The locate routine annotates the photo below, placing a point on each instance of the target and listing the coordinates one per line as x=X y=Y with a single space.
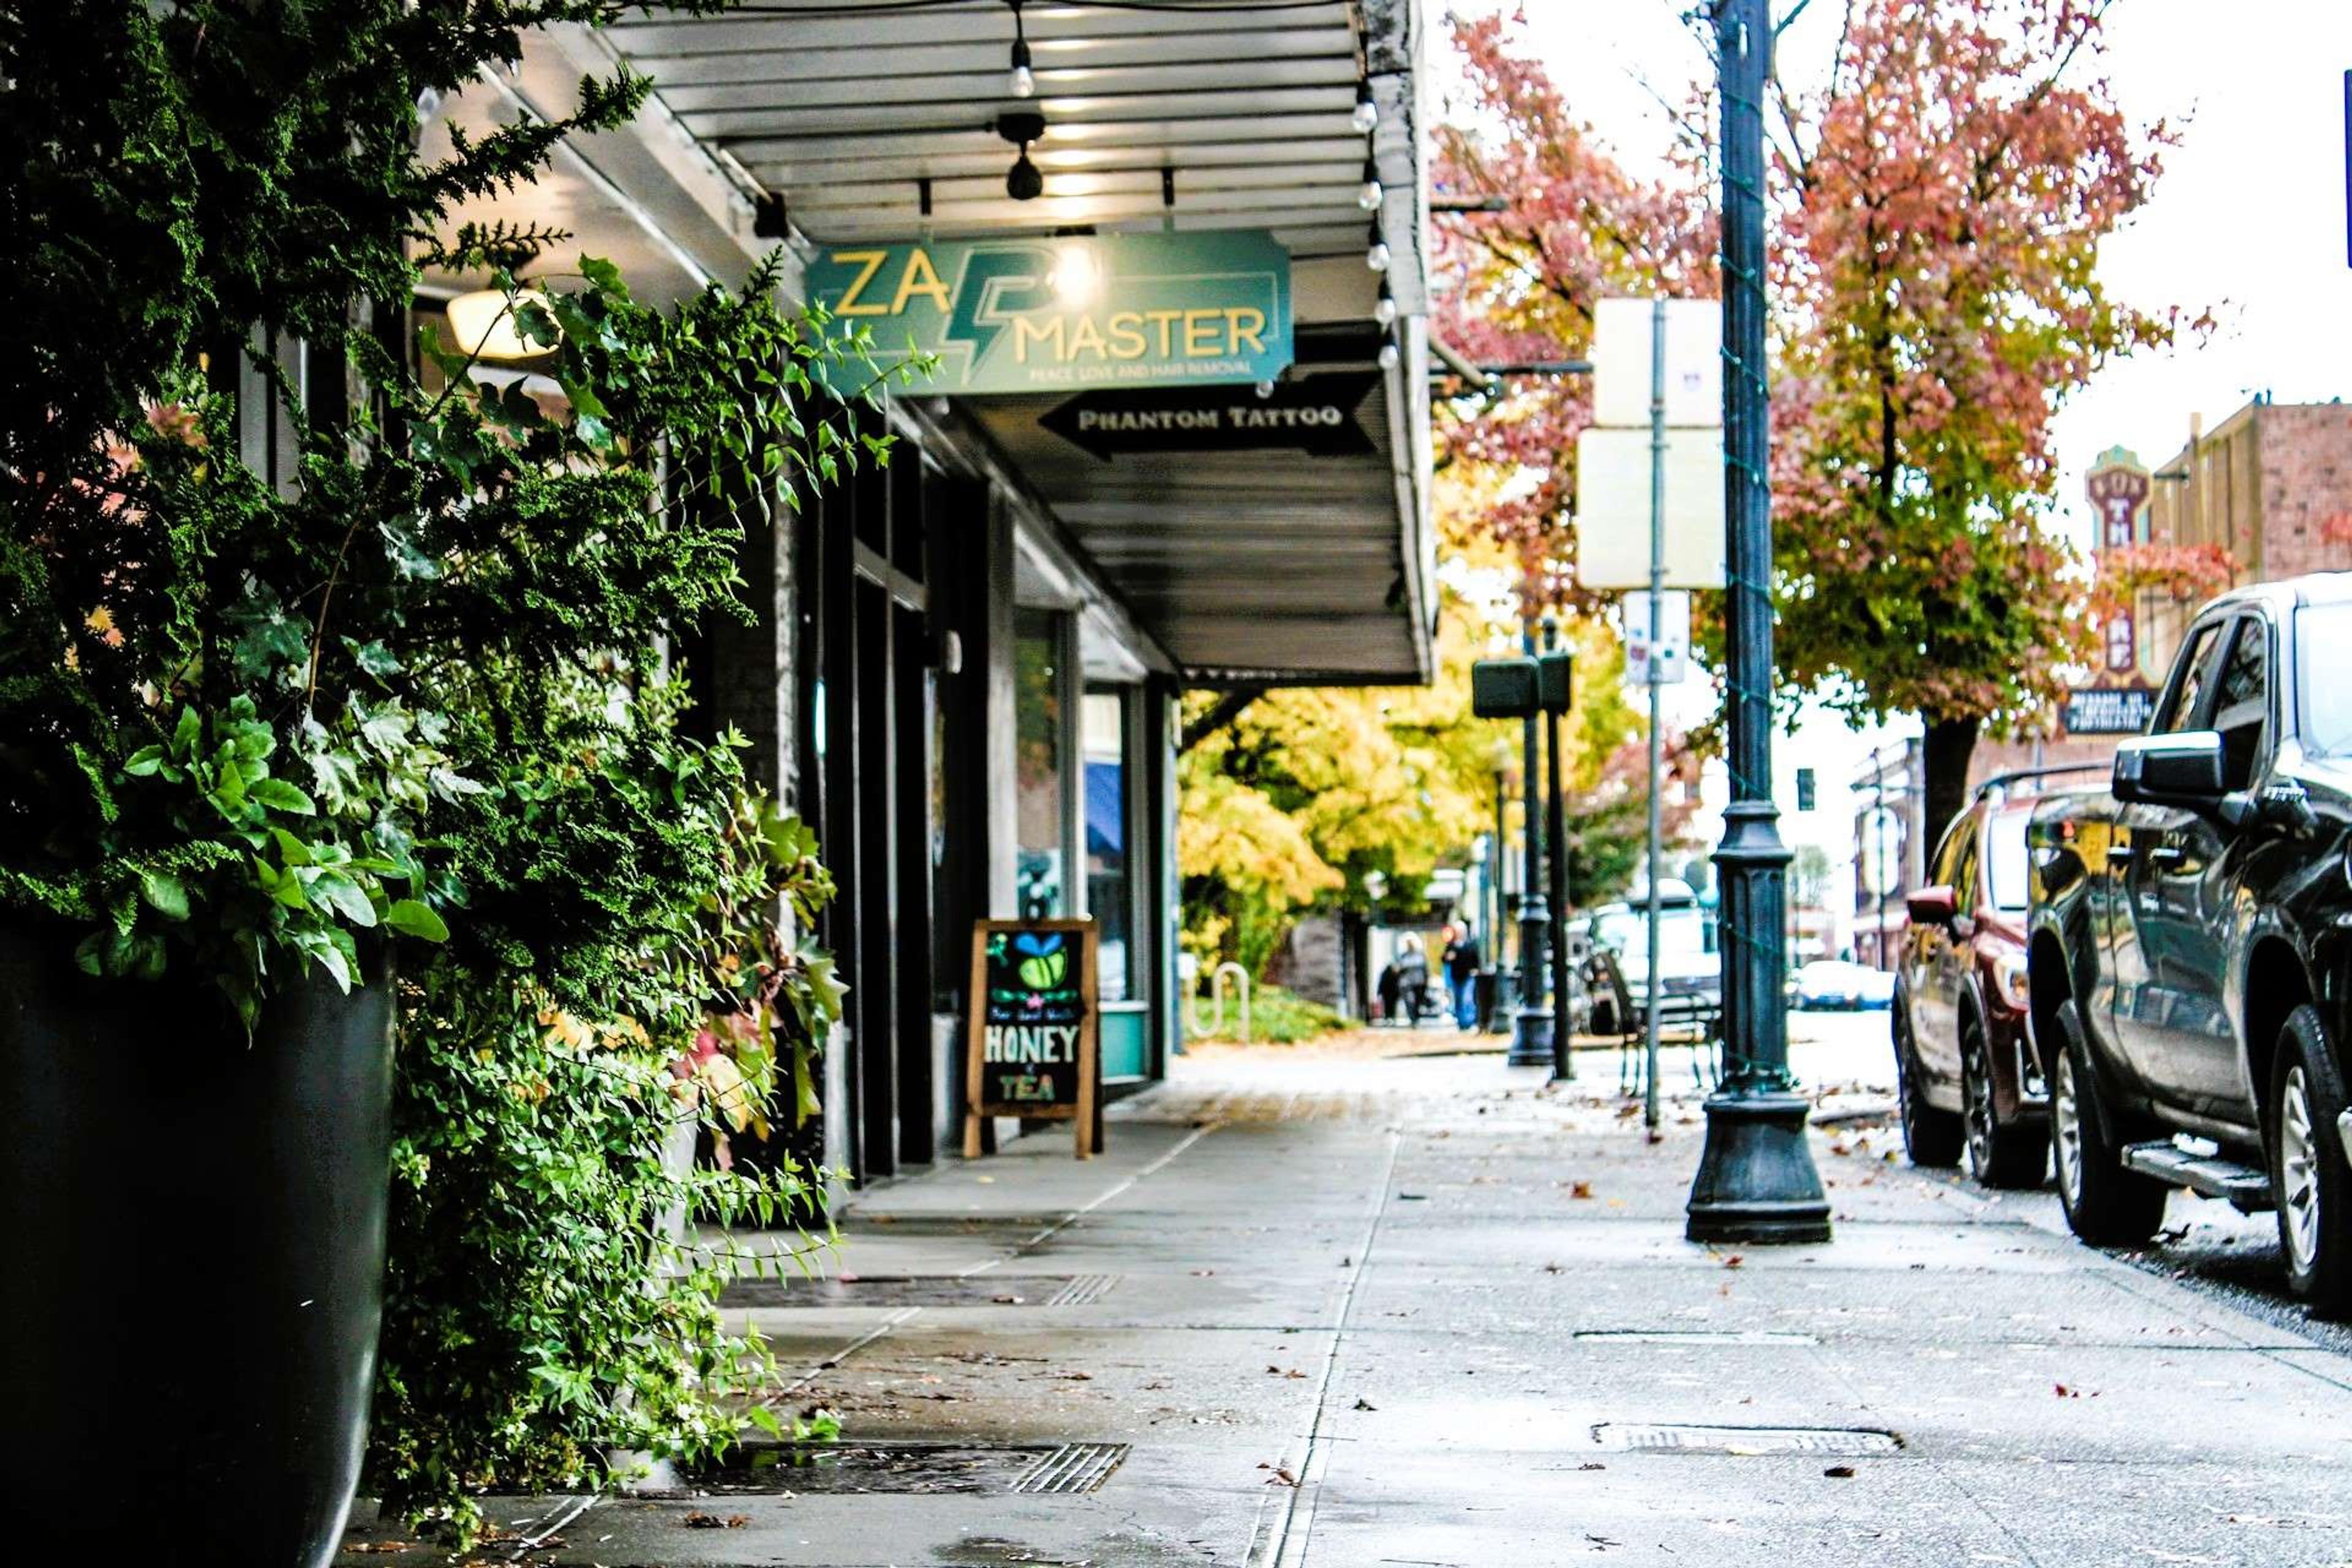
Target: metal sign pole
x=1650 y=673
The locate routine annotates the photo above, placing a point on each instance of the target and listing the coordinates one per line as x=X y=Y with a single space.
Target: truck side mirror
x=2179 y=769
x=1933 y=906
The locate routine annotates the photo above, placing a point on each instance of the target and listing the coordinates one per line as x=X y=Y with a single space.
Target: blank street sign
x=1621 y=362
x=1612 y=509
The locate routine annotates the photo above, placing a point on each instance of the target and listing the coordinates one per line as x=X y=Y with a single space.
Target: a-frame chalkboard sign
x=1031 y=1045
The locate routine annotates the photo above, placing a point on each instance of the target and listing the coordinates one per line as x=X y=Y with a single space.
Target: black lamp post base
x=1756 y=1183
x=1505 y=1005
x=1530 y=1039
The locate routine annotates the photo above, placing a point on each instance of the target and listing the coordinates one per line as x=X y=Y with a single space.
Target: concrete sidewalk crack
x=1284 y=1545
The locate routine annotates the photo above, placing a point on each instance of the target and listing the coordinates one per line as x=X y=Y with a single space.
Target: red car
x=1968 y=1081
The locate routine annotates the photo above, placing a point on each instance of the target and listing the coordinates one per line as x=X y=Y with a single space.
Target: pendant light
x=1022 y=82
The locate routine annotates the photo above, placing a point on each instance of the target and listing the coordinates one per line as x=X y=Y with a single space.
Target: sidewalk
x=1419 y=1311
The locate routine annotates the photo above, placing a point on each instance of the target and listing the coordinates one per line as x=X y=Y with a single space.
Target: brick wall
x=2305 y=482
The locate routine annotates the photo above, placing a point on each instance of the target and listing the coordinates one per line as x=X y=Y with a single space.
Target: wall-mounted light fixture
x=1022 y=82
x=1367 y=113
x=1023 y=183
x=485 y=326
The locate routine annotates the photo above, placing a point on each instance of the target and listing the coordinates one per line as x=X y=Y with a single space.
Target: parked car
x=1832 y=984
x=1690 y=969
x=1970 y=1086
x=2190 y=935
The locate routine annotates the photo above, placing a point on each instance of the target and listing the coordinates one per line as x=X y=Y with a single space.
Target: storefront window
x=1037 y=671
x=1111 y=886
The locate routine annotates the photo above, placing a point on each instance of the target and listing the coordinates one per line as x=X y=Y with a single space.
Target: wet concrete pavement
x=1421 y=1310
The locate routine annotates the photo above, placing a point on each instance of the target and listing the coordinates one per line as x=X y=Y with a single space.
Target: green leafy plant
x=403 y=689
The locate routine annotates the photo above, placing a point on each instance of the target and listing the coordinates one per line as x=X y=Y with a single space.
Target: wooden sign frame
x=1085 y=1113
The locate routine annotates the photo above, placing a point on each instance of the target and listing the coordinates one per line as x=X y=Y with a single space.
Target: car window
x=1953 y=852
x=2004 y=860
x=2240 y=706
x=2323 y=632
x=1962 y=872
x=2181 y=702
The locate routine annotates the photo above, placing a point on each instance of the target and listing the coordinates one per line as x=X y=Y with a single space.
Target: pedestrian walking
x=1463 y=961
x=1412 y=977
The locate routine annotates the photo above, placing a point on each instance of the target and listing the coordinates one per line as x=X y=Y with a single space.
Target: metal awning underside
x=1245 y=105
x=1245 y=566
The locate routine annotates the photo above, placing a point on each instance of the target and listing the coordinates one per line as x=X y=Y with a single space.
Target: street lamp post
x=1563 y=1026
x=1500 y=1005
x=1531 y=1024
x=1756 y=1181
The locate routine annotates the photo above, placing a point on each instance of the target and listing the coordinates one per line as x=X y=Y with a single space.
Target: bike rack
x=1217 y=999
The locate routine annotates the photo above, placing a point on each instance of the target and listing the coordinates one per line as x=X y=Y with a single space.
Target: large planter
x=191 y=1236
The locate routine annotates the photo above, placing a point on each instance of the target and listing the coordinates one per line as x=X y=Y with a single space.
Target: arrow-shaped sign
x=1314 y=414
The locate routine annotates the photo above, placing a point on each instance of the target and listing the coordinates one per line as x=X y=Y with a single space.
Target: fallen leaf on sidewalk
x=1840 y=1472
x=1579 y=1190
x=1733 y=1259
x=1006 y=1300
x=1075 y=1376
x=1366 y=1404
x=700 y=1520
x=1281 y=1477
x=1551 y=1267
x=1592 y=1465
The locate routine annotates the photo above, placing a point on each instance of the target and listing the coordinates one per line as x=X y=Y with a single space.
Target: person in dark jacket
x=1463 y=962
x=1412 y=978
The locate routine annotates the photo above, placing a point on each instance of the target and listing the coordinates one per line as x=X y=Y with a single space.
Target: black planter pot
x=191 y=1236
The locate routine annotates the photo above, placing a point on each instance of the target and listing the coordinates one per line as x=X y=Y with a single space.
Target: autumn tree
x=1576 y=228
x=1946 y=194
x=1940 y=201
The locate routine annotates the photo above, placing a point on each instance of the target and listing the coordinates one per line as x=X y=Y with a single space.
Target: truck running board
x=2246 y=1189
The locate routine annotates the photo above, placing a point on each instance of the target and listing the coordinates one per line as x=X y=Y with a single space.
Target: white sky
x=2249 y=217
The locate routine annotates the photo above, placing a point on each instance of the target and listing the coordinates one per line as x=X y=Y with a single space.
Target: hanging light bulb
x=1367 y=113
x=1022 y=83
x=1389 y=354
x=1368 y=194
x=1377 y=258
x=1385 y=311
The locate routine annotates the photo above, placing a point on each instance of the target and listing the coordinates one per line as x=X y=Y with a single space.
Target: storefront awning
x=1256 y=562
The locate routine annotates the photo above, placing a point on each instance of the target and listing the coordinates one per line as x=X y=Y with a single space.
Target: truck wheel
x=2307 y=1169
x=2011 y=1155
x=2105 y=1205
x=1931 y=1137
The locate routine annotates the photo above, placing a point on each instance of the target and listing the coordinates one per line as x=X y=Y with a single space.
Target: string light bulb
x=1385 y=311
x=1023 y=82
x=1368 y=194
x=1389 y=357
x=1367 y=113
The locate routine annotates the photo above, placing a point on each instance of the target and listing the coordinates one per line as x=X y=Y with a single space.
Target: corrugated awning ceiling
x=1243 y=108
x=877 y=122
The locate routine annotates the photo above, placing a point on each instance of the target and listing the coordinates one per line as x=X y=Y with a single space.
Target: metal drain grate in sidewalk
x=1073 y=1467
x=922 y=1290
x=972 y=1469
x=1840 y=1442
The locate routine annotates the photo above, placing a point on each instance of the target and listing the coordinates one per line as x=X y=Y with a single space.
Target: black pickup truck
x=2189 y=942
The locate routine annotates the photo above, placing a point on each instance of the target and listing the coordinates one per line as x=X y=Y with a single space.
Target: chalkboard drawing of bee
x=1045 y=959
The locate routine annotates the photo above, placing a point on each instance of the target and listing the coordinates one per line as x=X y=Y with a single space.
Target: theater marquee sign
x=1033 y=315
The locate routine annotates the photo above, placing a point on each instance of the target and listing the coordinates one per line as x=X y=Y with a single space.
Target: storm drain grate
x=972 y=1469
x=1073 y=1467
x=1694 y=1337
x=1843 y=1442
x=1081 y=1289
x=921 y=1291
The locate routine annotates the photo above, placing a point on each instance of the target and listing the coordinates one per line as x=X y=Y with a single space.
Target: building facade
x=965 y=668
